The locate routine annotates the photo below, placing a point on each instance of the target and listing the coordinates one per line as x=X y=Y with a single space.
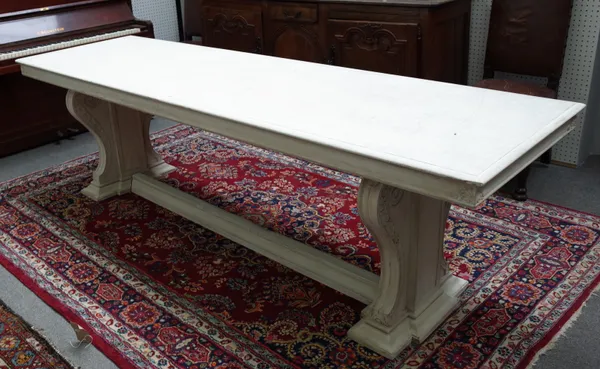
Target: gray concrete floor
x=578 y=188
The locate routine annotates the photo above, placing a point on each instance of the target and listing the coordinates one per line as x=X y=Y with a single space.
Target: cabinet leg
x=124 y=144
x=416 y=290
x=520 y=193
x=546 y=157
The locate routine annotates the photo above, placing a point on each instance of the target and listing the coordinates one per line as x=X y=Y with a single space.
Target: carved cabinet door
x=233 y=29
x=292 y=32
x=376 y=46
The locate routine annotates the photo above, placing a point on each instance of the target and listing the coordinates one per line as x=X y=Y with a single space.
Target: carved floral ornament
x=235 y=24
x=370 y=37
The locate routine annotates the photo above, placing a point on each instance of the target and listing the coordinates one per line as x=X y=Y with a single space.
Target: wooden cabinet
x=292 y=31
x=379 y=47
x=233 y=28
x=423 y=39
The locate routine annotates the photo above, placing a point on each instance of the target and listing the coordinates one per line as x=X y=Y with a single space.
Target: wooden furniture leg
x=546 y=157
x=124 y=144
x=416 y=291
x=520 y=193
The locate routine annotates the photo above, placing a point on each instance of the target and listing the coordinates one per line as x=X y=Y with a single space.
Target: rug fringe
x=541 y=352
x=48 y=342
x=39 y=335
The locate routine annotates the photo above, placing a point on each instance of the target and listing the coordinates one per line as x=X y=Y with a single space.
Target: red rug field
x=157 y=291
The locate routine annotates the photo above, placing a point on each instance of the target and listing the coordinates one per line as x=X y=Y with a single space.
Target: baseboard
x=563 y=164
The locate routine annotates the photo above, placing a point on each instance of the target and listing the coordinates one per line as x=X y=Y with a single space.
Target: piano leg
x=124 y=144
x=416 y=291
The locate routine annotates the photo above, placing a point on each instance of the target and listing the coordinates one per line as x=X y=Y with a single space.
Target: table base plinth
x=124 y=144
x=389 y=342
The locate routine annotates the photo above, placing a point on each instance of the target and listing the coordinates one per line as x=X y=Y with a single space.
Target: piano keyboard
x=63 y=45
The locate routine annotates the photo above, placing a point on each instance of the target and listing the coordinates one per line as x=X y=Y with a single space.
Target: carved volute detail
x=371 y=37
x=381 y=209
x=154 y=158
x=234 y=25
x=122 y=135
x=93 y=114
x=234 y=29
x=409 y=231
x=87 y=110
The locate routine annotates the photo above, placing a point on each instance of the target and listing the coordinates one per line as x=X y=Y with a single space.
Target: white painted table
x=418 y=146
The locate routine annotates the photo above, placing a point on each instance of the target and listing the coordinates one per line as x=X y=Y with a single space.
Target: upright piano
x=33 y=113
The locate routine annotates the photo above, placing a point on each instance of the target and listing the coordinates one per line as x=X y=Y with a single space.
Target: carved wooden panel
x=294 y=12
x=382 y=47
x=233 y=29
x=418 y=40
x=298 y=41
x=441 y=44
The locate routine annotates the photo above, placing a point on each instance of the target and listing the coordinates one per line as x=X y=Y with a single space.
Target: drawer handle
x=288 y=14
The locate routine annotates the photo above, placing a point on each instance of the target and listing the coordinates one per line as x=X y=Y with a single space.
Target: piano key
x=63 y=45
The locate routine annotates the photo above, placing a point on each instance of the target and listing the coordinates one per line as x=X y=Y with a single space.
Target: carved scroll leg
x=416 y=291
x=124 y=144
x=156 y=164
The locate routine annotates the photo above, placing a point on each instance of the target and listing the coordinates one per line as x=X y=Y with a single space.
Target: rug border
x=66 y=314
x=150 y=279
x=560 y=328
x=37 y=334
x=100 y=343
x=507 y=196
x=570 y=316
x=544 y=345
x=564 y=207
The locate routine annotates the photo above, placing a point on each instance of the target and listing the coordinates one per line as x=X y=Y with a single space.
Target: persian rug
x=21 y=347
x=155 y=290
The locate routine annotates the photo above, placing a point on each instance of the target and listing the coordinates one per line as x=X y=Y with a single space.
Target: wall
x=591 y=140
x=162 y=13
x=578 y=68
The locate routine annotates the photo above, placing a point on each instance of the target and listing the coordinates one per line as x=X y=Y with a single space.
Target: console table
x=418 y=146
x=418 y=38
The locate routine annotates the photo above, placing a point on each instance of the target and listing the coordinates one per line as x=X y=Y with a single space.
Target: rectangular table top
x=431 y=129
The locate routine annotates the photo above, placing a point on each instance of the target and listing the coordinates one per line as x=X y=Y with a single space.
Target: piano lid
x=64 y=17
x=9 y=8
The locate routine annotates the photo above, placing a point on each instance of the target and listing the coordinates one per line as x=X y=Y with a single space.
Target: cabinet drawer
x=246 y=15
x=374 y=13
x=306 y=13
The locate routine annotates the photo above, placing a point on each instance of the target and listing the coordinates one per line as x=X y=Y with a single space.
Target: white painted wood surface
x=418 y=146
x=325 y=268
x=124 y=142
x=421 y=135
x=416 y=289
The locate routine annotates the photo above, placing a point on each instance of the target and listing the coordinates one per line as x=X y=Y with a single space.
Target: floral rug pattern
x=158 y=291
